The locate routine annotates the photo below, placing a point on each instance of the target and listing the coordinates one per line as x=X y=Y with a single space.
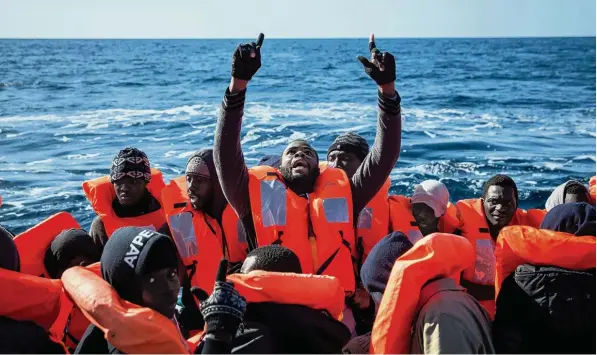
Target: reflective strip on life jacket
x=474 y=228
x=314 y=291
x=436 y=255
x=198 y=237
x=402 y=220
x=130 y=328
x=518 y=245
x=282 y=217
x=100 y=193
x=35 y=241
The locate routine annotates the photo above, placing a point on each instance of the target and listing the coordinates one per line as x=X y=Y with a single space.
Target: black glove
x=246 y=60
x=381 y=67
x=224 y=309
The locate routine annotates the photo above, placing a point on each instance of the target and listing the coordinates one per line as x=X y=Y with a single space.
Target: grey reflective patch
x=183 y=233
x=241 y=236
x=273 y=203
x=484 y=262
x=365 y=218
x=335 y=210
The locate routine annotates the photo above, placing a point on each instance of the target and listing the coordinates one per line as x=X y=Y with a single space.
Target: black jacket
x=545 y=309
x=23 y=337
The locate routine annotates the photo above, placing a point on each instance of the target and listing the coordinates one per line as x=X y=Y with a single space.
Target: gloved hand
x=246 y=60
x=224 y=309
x=381 y=67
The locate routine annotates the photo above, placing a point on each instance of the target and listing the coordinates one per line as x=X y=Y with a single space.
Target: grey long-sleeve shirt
x=366 y=182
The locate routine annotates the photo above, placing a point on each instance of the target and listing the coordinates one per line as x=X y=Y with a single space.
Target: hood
x=132 y=252
x=573 y=218
x=558 y=195
x=219 y=201
x=376 y=270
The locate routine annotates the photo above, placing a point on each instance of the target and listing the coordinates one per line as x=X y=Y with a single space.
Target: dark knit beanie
x=351 y=143
x=130 y=162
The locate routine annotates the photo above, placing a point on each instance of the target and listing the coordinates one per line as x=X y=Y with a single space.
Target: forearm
x=228 y=157
x=380 y=161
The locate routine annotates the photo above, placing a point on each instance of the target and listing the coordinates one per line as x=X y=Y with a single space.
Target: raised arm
x=228 y=156
x=380 y=161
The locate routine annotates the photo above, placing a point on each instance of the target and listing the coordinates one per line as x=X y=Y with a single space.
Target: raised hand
x=381 y=67
x=224 y=309
x=246 y=60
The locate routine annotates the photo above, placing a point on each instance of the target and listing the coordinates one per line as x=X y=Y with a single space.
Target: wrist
x=388 y=89
x=237 y=85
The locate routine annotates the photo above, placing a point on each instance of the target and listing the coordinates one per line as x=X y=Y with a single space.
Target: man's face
x=346 y=161
x=299 y=160
x=499 y=204
x=160 y=290
x=425 y=217
x=129 y=191
x=577 y=197
x=200 y=191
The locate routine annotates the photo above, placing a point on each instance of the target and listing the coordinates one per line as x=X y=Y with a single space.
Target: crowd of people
x=298 y=255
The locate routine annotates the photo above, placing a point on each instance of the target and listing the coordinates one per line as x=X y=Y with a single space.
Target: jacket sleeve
x=232 y=171
x=92 y=342
x=380 y=161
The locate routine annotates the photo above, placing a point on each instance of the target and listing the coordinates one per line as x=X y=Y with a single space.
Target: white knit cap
x=434 y=194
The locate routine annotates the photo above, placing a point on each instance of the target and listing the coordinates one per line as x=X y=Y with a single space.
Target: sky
x=294 y=18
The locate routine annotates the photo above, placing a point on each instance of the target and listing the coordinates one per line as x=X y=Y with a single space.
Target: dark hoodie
x=20 y=337
x=574 y=218
x=67 y=246
x=548 y=309
x=130 y=253
x=376 y=270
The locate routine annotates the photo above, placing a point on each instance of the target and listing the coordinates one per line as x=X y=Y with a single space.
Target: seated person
x=130 y=196
x=569 y=192
x=72 y=247
x=286 y=312
x=427 y=211
x=546 y=282
x=141 y=265
x=420 y=309
x=21 y=336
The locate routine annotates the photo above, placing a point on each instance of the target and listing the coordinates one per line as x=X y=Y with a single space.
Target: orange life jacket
x=200 y=240
x=318 y=228
x=592 y=183
x=128 y=327
x=100 y=193
x=314 y=291
x=436 y=255
x=534 y=217
x=517 y=245
x=374 y=220
x=35 y=241
x=402 y=220
x=473 y=225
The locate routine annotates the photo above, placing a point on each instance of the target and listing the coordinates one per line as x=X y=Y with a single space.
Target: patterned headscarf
x=130 y=162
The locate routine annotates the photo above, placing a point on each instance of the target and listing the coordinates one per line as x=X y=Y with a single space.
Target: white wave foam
x=39 y=162
x=82 y=156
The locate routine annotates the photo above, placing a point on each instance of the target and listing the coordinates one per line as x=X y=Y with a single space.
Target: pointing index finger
x=260 y=40
x=372 y=42
x=222 y=270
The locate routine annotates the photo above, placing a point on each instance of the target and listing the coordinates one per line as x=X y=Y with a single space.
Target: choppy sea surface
x=471 y=108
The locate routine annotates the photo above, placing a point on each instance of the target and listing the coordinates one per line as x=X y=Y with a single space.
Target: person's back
x=291 y=328
x=20 y=336
x=450 y=321
x=548 y=308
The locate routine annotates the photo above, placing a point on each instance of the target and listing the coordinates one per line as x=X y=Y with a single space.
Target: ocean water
x=471 y=108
